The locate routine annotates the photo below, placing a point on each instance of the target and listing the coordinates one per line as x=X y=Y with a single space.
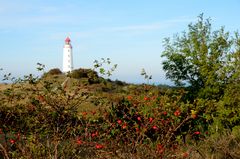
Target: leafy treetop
x=205 y=60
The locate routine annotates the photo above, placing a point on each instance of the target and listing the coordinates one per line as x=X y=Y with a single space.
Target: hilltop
x=89 y=85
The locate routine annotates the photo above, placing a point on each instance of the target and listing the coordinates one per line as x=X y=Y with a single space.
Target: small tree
x=200 y=58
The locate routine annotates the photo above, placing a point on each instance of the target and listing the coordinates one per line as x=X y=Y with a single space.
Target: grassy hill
x=82 y=115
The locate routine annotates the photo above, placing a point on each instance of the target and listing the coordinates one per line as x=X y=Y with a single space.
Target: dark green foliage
x=54 y=71
x=90 y=74
x=120 y=83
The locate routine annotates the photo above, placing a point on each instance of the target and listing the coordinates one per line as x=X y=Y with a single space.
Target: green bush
x=83 y=73
x=54 y=71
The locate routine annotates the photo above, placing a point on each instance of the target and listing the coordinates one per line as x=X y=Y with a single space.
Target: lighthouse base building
x=67 y=56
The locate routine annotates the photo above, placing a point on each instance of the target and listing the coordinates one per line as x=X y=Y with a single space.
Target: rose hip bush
x=40 y=119
x=154 y=119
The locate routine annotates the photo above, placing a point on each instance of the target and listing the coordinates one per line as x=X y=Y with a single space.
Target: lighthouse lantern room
x=67 y=56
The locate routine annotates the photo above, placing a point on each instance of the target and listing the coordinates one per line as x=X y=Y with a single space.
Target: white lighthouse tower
x=67 y=56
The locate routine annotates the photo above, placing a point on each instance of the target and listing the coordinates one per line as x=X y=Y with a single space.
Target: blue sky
x=129 y=32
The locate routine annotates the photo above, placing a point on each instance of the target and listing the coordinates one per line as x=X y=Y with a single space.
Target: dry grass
x=224 y=146
x=4 y=86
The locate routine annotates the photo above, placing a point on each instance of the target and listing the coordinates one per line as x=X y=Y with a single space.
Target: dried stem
x=4 y=151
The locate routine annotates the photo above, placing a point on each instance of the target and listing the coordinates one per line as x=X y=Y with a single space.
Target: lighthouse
x=67 y=56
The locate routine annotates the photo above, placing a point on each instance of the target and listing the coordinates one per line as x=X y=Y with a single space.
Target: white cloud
x=129 y=29
x=19 y=15
x=151 y=26
x=142 y=27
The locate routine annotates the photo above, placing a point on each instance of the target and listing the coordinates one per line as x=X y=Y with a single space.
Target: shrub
x=83 y=73
x=54 y=71
x=120 y=83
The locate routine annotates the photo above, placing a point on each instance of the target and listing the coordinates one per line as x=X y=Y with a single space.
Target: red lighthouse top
x=67 y=40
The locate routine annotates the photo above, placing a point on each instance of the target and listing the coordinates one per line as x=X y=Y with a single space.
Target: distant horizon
x=39 y=74
x=130 y=33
